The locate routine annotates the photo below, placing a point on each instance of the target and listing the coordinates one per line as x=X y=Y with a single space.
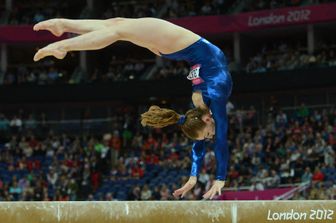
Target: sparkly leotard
x=209 y=74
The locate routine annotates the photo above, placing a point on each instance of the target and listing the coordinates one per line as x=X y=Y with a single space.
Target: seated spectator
x=15 y=190
x=203 y=177
x=165 y=192
x=146 y=193
x=15 y=124
x=135 y=193
x=307 y=176
x=4 y=123
x=137 y=172
x=318 y=175
x=30 y=122
x=275 y=179
x=257 y=186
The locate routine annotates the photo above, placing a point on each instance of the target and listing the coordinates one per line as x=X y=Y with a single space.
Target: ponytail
x=157 y=117
x=191 y=123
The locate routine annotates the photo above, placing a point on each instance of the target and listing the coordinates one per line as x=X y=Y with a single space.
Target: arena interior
x=72 y=148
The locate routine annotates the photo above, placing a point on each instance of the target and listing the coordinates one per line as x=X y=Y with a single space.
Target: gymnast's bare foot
x=51 y=50
x=55 y=26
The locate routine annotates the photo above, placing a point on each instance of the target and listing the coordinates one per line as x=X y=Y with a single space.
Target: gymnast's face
x=208 y=131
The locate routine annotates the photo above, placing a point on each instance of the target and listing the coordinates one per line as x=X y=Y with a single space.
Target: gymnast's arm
x=218 y=109
x=157 y=35
x=198 y=152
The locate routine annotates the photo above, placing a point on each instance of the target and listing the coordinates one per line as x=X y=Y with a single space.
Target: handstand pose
x=209 y=75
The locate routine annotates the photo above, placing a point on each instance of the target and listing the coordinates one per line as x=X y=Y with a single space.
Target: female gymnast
x=209 y=75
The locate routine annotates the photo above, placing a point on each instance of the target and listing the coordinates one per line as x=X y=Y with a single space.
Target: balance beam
x=168 y=211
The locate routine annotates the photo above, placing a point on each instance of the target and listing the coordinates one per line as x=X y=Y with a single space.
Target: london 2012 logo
x=292 y=16
x=292 y=215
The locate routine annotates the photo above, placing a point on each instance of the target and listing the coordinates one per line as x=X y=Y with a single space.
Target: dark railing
x=243 y=83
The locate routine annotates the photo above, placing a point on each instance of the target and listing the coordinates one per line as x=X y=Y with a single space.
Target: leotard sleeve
x=218 y=109
x=198 y=152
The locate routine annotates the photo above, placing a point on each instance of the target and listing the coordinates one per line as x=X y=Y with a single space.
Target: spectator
x=307 y=176
x=203 y=177
x=146 y=193
x=52 y=178
x=135 y=193
x=229 y=107
x=164 y=192
x=318 y=175
x=156 y=193
x=281 y=119
x=303 y=111
x=30 y=123
x=257 y=186
x=115 y=144
x=15 y=190
x=275 y=179
x=329 y=155
x=4 y=123
x=15 y=124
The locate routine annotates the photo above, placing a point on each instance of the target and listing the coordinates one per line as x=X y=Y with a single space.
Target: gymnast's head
x=196 y=124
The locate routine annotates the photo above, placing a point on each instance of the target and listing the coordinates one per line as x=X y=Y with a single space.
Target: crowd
x=48 y=73
x=42 y=75
x=273 y=4
x=29 y=12
x=289 y=149
x=134 y=163
x=317 y=191
x=176 y=9
x=284 y=56
x=280 y=56
x=169 y=69
x=33 y=11
x=132 y=9
x=120 y=69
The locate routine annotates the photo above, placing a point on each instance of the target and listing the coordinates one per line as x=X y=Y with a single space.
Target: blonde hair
x=157 y=117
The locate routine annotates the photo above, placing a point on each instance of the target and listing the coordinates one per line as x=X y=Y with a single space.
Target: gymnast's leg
x=79 y=26
x=154 y=34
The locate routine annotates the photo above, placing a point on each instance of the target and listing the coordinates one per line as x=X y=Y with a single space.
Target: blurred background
x=70 y=130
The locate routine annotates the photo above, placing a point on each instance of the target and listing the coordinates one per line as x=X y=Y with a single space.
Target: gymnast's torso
x=209 y=75
x=208 y=69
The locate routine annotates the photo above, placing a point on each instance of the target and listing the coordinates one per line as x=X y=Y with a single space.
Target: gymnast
x=211 y=81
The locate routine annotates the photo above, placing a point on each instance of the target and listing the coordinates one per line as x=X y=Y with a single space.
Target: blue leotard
x=209 y=74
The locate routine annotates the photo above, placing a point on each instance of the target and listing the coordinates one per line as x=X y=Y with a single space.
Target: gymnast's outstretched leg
x=157 y=35
x=78 y=26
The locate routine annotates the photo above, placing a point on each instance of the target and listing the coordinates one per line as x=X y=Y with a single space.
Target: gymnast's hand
x=216 y=187
x=54 y=49
x=187 y=187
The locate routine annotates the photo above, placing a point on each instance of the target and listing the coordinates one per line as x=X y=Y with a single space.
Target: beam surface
x=168 y=211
